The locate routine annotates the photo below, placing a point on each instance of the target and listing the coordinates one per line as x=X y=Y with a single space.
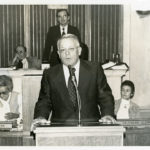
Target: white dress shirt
x=25 y=63
x=65 y=29
x=5 y=108
x=67 y=74
x=123 y=112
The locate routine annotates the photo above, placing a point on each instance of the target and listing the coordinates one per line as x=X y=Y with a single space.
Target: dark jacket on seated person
x=33 y=63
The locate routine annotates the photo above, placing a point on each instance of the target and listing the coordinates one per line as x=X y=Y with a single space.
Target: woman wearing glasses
x=10 y=101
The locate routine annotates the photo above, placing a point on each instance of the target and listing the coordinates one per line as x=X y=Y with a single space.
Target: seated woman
x=10 y=101
x=124 y=107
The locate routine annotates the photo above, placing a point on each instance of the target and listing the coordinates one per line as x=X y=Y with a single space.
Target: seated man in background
x=73 y=87
x=22 y=61
x=10 y=101
x=124 y=107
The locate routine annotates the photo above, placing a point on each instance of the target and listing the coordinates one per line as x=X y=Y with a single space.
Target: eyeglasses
x=4 y=93
x=20 y=52
x=69 y=49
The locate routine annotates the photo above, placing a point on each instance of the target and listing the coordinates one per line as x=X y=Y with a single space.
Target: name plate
x=134 y=122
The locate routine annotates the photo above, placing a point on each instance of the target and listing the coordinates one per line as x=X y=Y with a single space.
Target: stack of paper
x=108 y=65
x=122 y=66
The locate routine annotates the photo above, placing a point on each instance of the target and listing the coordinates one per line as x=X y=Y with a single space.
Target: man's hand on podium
x=107 y=120
x=39 y=121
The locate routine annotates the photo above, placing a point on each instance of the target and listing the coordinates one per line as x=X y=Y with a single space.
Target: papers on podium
x=120 y=66
x=139 y=123
x=108 y=65
x=115 y=66
x=5 y=125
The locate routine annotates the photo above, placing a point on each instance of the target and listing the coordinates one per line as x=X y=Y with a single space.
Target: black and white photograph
x=75 y=74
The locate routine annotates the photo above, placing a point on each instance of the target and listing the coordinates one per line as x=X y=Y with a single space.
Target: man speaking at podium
x=75 y=91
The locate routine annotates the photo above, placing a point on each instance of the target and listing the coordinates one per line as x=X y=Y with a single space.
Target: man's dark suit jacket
x=93 y=90
x=51 y=41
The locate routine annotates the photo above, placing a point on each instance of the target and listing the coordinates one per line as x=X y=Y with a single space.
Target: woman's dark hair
x=131 y=84
x=6 y=81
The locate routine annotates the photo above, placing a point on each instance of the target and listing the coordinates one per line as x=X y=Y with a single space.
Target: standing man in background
x=54 y=33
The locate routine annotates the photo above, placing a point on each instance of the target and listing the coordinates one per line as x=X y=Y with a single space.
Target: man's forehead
x=126 y=87
x=68 y=41
x=62 y=12
x=20 y=49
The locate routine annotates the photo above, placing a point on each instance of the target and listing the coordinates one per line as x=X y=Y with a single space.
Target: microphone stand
x=78 y=100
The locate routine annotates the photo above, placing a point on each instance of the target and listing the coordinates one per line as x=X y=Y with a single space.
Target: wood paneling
x=80 y=136
x=11 y=31
x=105 y=31
x=13 y=138
x=137 y=137
x=38 y=28
x=30 y=97
x=77 y=18
x=100 y=27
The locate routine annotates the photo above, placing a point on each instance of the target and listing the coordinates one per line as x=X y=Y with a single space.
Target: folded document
x=115 y=66
x=108 y=65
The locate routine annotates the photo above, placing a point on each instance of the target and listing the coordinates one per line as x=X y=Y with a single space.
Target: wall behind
x=11 y=31
x=140 y=58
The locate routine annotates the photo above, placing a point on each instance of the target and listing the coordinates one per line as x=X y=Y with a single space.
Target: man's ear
x=58 y=53
x=68 y=18
x=79 y=50
x=26 y=53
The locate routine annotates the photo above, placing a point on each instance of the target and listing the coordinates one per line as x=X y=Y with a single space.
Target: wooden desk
x=137 y=136
x=28 y=83
x=11 y=138
x=16 y=138
x=137 y=132
x=80 y=136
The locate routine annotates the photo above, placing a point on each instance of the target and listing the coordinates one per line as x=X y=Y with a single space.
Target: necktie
x=19 y=65
x=72 y=89
x=63 y=31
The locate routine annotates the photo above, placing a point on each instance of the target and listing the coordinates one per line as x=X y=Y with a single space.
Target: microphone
x=77 y=92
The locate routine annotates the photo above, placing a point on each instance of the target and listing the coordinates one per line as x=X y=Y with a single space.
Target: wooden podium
x=80 y=136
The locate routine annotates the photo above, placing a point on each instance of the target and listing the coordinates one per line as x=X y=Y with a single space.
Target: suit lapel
x=84 y=77
x=117 y=105
x=68 y=29
x=56 y=33
x=61 y=86
x=60 y=78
